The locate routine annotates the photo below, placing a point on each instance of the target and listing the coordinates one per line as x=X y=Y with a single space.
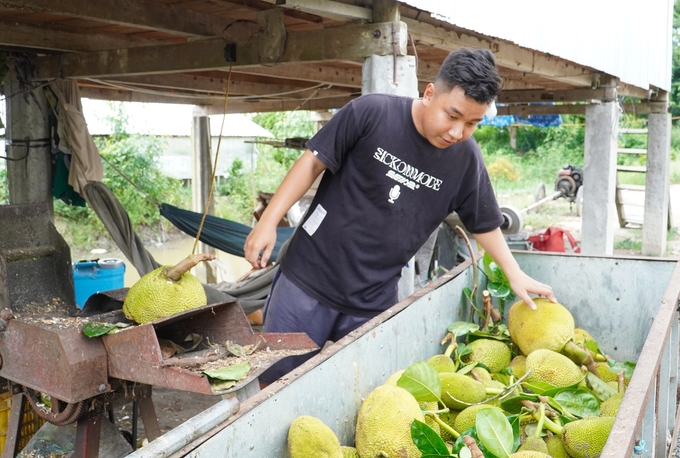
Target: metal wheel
x=60 y=413
x=512 y=220
x=579 y=201
x=540 y=192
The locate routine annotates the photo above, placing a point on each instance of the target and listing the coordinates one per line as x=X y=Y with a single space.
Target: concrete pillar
x=599 y=207
x=29 y=174
x=655 y=225
x=201 y=160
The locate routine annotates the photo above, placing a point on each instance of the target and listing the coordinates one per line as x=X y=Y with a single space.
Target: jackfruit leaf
x=459 y=445
x=546 y=389
x=514 y=404
x=236 y=350
x=515 y=423
x=492 y=270
x=495 y=432
x=460 y=328
x=498 y=290
x=422 y=381
x=580 y=402
x=599 y=387
x=627 y=367
x=593 y=346
x=475 y=335
x=234 y=372
x=96 y=329
x=220 y=385
x=427 y=440
x=195 y=340
x=467 y=292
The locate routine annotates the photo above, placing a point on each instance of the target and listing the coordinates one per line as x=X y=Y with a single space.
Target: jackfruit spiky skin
x=519 y=366
x=529 y=454
x=467 y=418
x=581 y=336
x=392 y=379
x=553 y=368
x=535 y=444
x=154 y=296
x=450 y=419
x=550 y=326
x=384 y=423
x=309 y=436
x=481 y=375
x=349 y=452
x=464 y=389
x=556 y=447
x=442 y=363
x=429 y=420
x=494 y=354
x=585 y=438
x=610 y=407
x=608 y=375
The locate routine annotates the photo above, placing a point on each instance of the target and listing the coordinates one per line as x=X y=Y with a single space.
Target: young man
x=395 y=168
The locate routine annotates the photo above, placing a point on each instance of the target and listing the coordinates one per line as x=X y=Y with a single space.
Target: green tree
x=675 y=75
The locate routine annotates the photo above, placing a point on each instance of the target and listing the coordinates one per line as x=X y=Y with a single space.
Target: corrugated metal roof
x=629 y=39
x=166 y=120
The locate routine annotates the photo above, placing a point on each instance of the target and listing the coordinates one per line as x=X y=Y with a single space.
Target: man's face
x=448 y=117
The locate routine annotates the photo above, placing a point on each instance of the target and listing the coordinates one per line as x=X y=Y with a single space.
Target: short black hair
x=474 y=71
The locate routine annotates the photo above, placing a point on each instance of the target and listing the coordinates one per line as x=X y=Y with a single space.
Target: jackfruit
x=309 y=436
x=549 y=327
x=519 y=366
x=392 y=379
x=429 y=419
x=553 y=368
x=459 y=391
x=556 y=447
x=349 y=452
x=494 y=354
x=442 y=363
x=610 y=407
x=535 y=444
x=166 y=291
x=481 y=375
x=467 y=418
x=384 y=423
x=450 y=419
x=585 y=438
x=581 y=336
x=608 y=375
x=529 y=454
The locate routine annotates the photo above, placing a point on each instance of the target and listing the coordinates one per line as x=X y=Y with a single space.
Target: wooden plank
x=633 y=131
x=631 y=151
x=337 y=43
x=49 y=38
x=575 y=95
x=348 y=77
x=631 y=169
x=507 y=54
x=326 y=8
x=147 y=15
x=525 y=110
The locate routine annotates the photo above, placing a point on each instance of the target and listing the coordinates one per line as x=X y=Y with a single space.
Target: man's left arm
x=494 y=243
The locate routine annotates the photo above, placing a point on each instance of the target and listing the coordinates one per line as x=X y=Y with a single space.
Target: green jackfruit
x=519 y=366
x=550 y=326
x=610 y=407
x=429 y=419
x=309 y=436
x=494 y=354
x=529 y=454
x=481 y=375
x=349 y=452
x=166 y=291
x=553 y=368
x=585 y=438
x=459 y=391
x=467 y=418
x=556 y=447
x=581 y=336
x=384 y=423
x=442 y=363
x=535 y=444
x=450 y=419
x=392 y=379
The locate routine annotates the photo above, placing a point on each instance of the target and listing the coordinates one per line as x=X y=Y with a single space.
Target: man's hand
x=523 y=285
x=259 y=245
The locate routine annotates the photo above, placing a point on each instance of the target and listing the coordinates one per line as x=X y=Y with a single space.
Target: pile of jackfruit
x=537 y=387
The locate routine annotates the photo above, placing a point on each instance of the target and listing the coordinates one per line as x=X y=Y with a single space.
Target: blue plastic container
x=94 y=276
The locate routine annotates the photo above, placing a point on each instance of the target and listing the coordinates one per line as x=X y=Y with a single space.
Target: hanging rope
x=214 y=169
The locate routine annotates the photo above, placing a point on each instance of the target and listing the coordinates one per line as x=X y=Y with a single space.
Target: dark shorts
x=289 y=309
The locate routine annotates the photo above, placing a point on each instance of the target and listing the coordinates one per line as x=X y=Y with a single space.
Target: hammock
x=223 y=234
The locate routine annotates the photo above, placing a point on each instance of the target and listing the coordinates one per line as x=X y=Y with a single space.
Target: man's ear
x=429 y=93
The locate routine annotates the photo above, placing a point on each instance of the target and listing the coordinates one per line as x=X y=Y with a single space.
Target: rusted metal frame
x=629 y=421
x=149 y=418
x=14 y=425
x=88 y=431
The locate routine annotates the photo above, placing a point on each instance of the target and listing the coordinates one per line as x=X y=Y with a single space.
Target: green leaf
x=427 y=440
x=499 y=290
x=460 y=328
x=600 y=387
x=495 y=432
x=628 y=368
x=96 y=329
x=234 y=372
x=422 y=381
x=221 y=385
x=514 y=404
x=515 y=423
x=580 y=402
x=491 y=269
x=593 y=346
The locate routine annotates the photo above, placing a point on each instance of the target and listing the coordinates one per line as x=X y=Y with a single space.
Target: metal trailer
x=629 y=305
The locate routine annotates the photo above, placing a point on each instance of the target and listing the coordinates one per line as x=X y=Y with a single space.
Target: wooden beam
x=575 y=95
x=326 y=8
x=266 y=106
x=312 y=73
x=526 y=110
x=385 y=11
x=627 y=90
x=49 y=38
x=507 y=55
x=337 y=43
x=143 y=14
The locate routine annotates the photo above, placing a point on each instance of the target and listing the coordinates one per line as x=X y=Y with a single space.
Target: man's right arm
x=261 y=240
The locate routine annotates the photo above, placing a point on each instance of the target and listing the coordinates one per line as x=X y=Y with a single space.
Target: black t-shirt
x=385 y=190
